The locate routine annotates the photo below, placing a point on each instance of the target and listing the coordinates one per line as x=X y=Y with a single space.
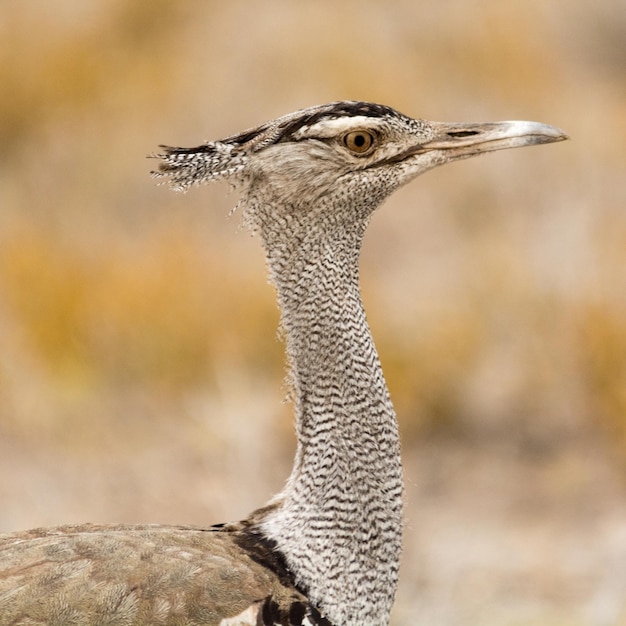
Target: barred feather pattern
x=339 y=519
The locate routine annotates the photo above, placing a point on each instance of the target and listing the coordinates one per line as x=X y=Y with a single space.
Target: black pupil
x=359 y=141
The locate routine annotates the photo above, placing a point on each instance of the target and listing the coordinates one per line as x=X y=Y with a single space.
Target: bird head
x=348 y=155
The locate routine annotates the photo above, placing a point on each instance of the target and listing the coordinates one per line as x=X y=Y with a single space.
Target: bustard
x=326 y=549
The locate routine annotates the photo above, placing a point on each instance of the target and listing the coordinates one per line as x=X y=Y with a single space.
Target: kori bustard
x=326 y=549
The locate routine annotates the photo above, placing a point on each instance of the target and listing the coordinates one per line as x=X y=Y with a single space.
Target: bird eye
x=358 y=141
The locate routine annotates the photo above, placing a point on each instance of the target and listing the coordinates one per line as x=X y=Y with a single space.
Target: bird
x=325 y=551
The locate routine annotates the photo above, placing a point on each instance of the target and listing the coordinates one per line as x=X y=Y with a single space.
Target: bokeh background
x=141 y=378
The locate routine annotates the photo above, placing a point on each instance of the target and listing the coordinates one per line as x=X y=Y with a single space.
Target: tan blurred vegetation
x=140 y=371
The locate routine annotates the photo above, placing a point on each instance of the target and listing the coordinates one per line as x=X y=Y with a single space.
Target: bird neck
x=338 y=520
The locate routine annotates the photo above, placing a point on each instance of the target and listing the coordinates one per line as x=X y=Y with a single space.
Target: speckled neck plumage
x=338 y=520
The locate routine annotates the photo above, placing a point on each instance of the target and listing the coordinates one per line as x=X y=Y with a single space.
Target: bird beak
x=458 y=141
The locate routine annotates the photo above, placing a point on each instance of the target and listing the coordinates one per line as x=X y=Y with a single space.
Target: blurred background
x=141 y=377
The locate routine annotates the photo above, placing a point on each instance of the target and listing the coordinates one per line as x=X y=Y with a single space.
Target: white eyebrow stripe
x=330 y=128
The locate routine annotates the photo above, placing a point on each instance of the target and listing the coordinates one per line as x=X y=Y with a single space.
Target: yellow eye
x=358 y=141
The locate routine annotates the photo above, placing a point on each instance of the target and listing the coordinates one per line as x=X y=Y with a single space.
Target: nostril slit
x=463 y=133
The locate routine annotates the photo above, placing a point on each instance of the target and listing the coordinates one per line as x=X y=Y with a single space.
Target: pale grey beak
x=458 y=140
